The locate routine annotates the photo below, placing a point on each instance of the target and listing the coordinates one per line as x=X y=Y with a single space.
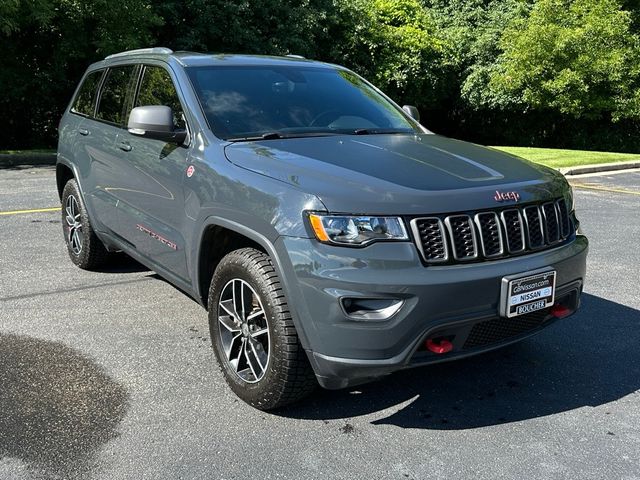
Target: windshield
x=248 y=102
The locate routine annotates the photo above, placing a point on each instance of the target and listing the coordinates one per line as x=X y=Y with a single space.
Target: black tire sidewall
x=262 y=392
x=81 y=259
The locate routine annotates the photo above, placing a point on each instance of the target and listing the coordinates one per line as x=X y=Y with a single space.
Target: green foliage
x=391 y=42
x=46 y=46
x=271 y=27
x=8 y=20
x=576 y=57
x=394 y=44
x=511 y=71
x=472 y=30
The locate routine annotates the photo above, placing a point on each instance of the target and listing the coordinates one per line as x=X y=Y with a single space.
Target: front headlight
x=356 y=230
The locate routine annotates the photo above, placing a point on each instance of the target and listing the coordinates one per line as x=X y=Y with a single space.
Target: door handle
x=125 y=146
x=83 y=131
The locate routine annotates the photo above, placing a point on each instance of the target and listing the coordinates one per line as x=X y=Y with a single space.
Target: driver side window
x=156 y=88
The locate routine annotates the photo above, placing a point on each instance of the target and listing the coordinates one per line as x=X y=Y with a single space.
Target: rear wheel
x=84 y=247
x=253 y=335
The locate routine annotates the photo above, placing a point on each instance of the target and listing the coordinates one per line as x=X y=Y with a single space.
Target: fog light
x=371 y=308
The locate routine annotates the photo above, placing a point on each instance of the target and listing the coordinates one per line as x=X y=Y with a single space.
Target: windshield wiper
x=278 y=135
x=380 y=131
x=264 y=136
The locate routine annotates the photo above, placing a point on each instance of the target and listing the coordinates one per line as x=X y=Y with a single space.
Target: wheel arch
x=206 y=260
x=218 y=238
x=64 y=173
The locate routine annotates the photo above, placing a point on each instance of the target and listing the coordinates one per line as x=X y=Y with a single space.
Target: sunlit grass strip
x=557 y=158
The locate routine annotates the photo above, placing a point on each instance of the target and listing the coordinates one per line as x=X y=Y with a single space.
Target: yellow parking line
x=604 y=189
x=34 y=210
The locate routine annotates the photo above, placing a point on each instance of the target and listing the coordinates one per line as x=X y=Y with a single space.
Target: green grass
x=556 y=158
x=26 y=152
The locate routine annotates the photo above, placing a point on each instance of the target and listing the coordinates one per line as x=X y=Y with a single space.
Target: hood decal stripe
x=493 y=174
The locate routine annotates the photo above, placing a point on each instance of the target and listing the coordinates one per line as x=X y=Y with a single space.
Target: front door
x=152 y=206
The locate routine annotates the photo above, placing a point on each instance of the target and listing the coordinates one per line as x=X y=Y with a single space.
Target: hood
x=396 y=174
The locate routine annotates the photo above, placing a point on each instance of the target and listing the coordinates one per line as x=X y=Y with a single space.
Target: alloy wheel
x=244 y=332
x=74 y=225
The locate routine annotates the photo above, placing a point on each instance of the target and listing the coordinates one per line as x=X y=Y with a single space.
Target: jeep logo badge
x=506 y=196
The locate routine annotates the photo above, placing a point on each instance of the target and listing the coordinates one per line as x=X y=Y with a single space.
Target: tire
x=84 y=247
x=272 y=369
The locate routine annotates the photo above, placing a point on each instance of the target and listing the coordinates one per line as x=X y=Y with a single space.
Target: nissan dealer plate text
x=527 y=293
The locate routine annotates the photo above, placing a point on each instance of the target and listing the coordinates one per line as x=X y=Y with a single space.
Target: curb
x=13 y=160
x=599 y=167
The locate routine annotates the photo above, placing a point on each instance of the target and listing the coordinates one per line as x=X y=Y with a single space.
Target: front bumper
x=444 y=300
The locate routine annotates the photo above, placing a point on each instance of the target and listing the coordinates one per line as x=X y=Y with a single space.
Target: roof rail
x=160 y=50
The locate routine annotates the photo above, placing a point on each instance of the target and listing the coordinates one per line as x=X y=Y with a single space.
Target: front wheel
x=253 y=335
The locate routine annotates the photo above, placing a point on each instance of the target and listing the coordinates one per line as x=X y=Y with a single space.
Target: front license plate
x=528 y=292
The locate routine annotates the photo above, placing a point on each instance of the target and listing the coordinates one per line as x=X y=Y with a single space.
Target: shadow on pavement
x=122 y=263
x=589 y=359
x=57 y=407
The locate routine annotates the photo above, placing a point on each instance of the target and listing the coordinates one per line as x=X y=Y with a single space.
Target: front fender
x=271 y=245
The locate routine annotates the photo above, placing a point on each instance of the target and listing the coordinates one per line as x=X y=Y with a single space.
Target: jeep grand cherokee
x=330 y=236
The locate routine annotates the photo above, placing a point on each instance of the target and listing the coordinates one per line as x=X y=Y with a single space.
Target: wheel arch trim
x=61 y=161
x=268 y=245
x=95 y=221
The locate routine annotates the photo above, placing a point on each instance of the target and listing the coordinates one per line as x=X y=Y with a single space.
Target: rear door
x=107 y=173
x=152 y=207
x=76 y=127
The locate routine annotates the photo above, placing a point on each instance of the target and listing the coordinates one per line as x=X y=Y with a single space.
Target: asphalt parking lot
x=110 y=375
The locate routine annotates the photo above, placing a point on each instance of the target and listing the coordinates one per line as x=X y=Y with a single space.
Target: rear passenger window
x=85 y=101
x=156 y=88
x=114 y=94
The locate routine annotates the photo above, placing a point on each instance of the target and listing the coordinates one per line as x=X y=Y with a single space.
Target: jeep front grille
x=533 y=218
x=431 y=243
x=486 y=235
x=514 y=228
x=463 y=237
x=488 y=225
x=551 y=227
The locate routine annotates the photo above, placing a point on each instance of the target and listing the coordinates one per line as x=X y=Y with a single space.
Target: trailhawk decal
x=155 y=236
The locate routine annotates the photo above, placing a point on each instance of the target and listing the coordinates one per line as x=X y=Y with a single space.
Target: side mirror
x=156 y=122
x=412 y=112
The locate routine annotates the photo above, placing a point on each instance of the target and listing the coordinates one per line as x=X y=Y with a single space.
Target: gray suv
x=330 y=236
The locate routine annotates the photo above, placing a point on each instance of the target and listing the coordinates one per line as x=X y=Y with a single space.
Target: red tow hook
x=441 y=346
x=560 y=311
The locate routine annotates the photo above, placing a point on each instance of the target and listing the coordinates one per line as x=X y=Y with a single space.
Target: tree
x=394 y=43
x=472 y=31
x=576 y=57
x=46 y=46
x=516 y=71
x=391 y=42
x=275 y=27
